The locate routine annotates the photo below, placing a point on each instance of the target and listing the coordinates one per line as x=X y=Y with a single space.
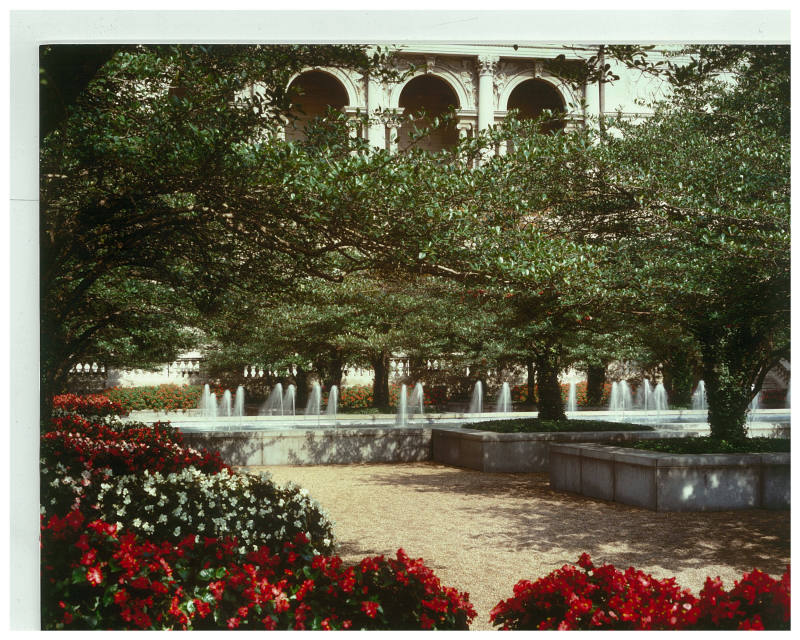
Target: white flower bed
x=250 y=507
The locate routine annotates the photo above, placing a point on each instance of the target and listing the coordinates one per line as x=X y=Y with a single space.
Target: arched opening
x=312 y=94
x=433 y=96
x=532 y=97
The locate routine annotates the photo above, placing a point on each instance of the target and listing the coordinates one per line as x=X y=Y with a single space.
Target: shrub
x=94 y=577
x=607 y=598
x=253 y=508
x=126 y=448
x=357 y=397
x=706 y=444
x=757 y=601
x=87 y=406
x=164 y=397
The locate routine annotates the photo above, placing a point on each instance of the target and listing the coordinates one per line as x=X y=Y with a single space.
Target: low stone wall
x=669 y=482
x=316 y=446
x=519 y=452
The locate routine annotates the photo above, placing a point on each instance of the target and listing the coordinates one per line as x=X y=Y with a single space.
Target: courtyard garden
x=142 y=532
x=649 y=258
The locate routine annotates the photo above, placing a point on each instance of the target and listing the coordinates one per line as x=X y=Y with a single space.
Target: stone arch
x=449 y=78
x=435 y=96
x=345 y=79
x=532 y=97
x=318 y=90
x=563 y=90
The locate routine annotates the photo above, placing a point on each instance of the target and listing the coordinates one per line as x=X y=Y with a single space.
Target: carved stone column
x=487 y=65
x=376 y=133
x=393 y=131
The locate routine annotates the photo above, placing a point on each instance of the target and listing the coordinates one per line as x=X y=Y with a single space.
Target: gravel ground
x=483 y=532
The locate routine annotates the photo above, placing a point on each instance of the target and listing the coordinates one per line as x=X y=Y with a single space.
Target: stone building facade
x=481 y=83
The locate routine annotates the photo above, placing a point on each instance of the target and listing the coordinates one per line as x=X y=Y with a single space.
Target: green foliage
x=157 y=188
x=700 y=445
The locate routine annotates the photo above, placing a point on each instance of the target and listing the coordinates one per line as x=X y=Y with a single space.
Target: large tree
x=689 y=211
x=709 y=233
x=161 y=185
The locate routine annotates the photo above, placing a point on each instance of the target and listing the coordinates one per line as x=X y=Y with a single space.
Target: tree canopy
x=172 y=214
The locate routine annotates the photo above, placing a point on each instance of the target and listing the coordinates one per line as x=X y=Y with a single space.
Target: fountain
x=699 y=400
x=572 y=398
x=314 y=400
x=416 y=401
x=504 y=399
x=755 y=405
x=660 y=398
x=333 y=398
x=238 y=403
x=402 y=402
x=274 y=404
x=208 y=403
x=288 y=401
x=621 y=399
x=644 y=395
x=225 y=403
x=476 y=403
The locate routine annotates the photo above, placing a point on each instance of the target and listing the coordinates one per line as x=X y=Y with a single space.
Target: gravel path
x=482 y=532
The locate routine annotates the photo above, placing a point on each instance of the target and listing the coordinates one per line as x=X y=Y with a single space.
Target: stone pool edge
x=671 y=482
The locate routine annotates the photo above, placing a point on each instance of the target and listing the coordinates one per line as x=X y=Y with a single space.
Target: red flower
x=89 y=557
x=94 y=575
x=370 y=608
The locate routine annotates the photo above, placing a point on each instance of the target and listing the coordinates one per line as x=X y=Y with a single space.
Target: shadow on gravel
x=525 y=515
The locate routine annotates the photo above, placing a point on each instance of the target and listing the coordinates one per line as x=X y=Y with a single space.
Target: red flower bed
x=79 y=443
x=94 y=577
x=163 y=397
x=90 y=405
x=607 y=598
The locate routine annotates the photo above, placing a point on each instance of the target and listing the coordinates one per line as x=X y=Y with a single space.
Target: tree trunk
x=380 y=386
x=529 y=364
x=333 y=370
x=551 y=407
x=301 y=391
x=729 y=375
x=595 y=380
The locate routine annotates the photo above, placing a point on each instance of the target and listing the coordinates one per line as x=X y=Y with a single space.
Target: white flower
x=176 y=531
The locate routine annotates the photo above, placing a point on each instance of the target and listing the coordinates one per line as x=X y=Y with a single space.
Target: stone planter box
x=316 y=446
x=518 y=452
x=670 y=482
